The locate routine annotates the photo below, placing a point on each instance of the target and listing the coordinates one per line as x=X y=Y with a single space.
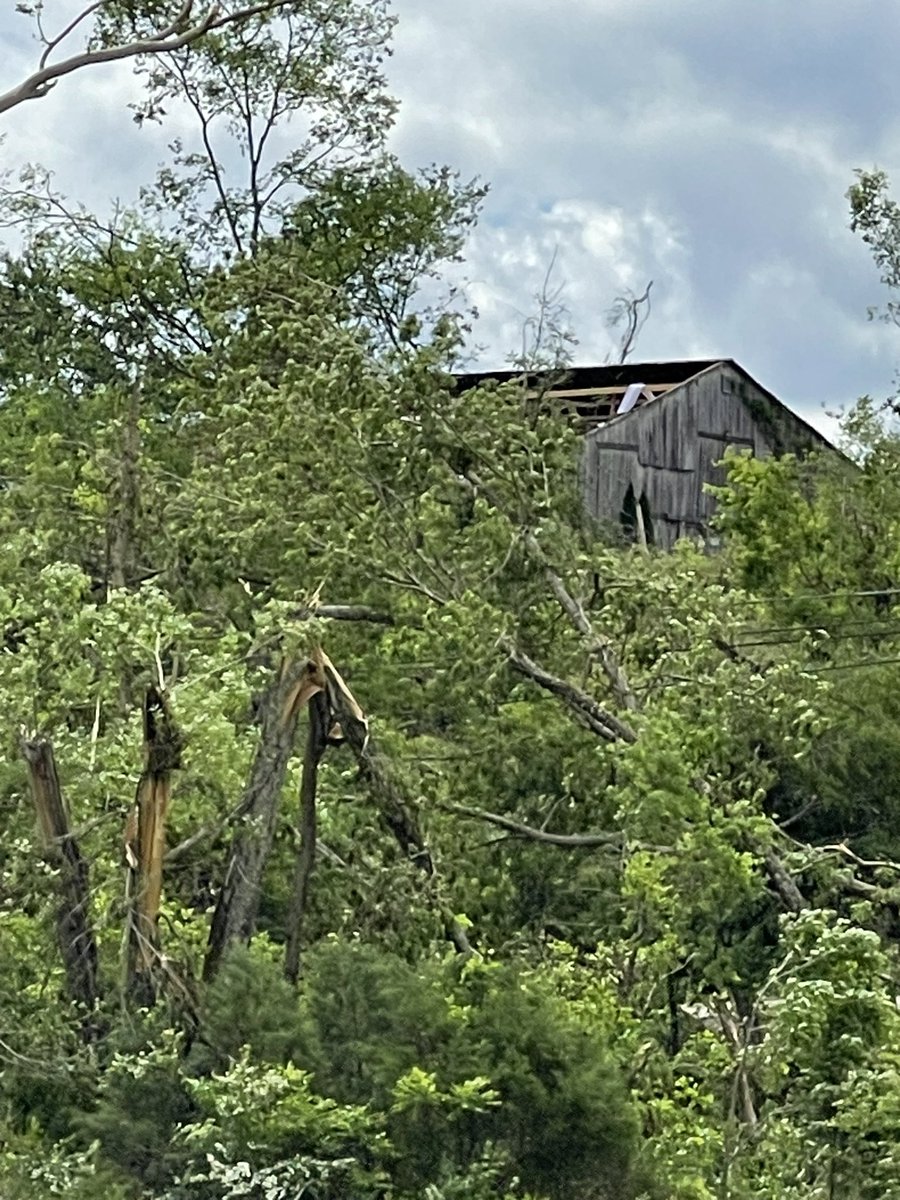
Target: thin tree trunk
x=316 y=745
x=73 y=927
x=236 y=909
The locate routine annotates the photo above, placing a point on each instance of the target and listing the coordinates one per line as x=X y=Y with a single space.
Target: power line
x=868 y=662
x=877 y=632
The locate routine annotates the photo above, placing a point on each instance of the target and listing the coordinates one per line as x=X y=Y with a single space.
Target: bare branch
x=598 y=646
x=873 y=863
x=568 y=841
x=634 y=311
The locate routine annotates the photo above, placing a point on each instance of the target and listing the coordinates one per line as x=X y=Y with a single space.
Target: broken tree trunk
x=316 y=745
x=73 y=926
x=145 y=846
x=236 y=909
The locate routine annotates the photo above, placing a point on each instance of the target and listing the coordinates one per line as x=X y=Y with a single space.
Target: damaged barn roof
x=594 y=395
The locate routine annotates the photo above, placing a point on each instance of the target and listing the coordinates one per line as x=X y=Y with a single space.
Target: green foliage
x=228 y=419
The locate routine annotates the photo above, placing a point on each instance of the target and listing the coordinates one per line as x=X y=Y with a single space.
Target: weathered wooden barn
x=654 y=432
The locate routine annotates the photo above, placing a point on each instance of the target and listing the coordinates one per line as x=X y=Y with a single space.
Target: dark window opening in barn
x=635 y=518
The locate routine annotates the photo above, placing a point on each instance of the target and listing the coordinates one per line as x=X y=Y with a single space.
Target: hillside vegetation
x=373 y=825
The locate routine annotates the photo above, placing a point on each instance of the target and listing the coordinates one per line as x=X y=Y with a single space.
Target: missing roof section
x=591 y=395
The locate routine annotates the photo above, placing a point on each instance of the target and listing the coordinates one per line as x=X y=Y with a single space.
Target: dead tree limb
x=316 y=745
x=634 y=312
x=182 y=32
x=236 y=909
x=74 y=932
x=145 y=846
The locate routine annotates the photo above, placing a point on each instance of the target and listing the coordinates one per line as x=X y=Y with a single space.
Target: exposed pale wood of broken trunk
x=145 y=844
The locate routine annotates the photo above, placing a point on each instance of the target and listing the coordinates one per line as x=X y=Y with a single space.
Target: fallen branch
x=570 y=841
x=583 y=707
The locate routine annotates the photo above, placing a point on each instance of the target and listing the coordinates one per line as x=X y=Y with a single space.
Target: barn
x=654 y=432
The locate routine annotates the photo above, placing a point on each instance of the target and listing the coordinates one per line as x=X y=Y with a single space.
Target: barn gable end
x=651 y=465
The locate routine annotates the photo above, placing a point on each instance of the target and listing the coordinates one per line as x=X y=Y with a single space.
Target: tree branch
x=570 y=841
x=584 y=708
x=74 y=931
x=316 y=745
x=598 y=646
x=163 y=41
x=780 y=878
x=234 y=919
x=342 y=612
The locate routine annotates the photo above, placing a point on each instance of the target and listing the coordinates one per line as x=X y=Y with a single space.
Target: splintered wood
x=145 y=842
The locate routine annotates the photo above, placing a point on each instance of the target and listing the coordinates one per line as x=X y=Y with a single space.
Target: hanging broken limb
x=73 y=926
x=395 y=808
x=583 y=707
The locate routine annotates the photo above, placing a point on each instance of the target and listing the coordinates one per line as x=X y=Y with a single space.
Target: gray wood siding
x=667 y=449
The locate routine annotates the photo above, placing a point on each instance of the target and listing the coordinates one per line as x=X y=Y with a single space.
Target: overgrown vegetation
x=372 y=826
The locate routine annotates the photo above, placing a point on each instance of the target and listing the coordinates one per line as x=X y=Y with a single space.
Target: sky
x=704 y=144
